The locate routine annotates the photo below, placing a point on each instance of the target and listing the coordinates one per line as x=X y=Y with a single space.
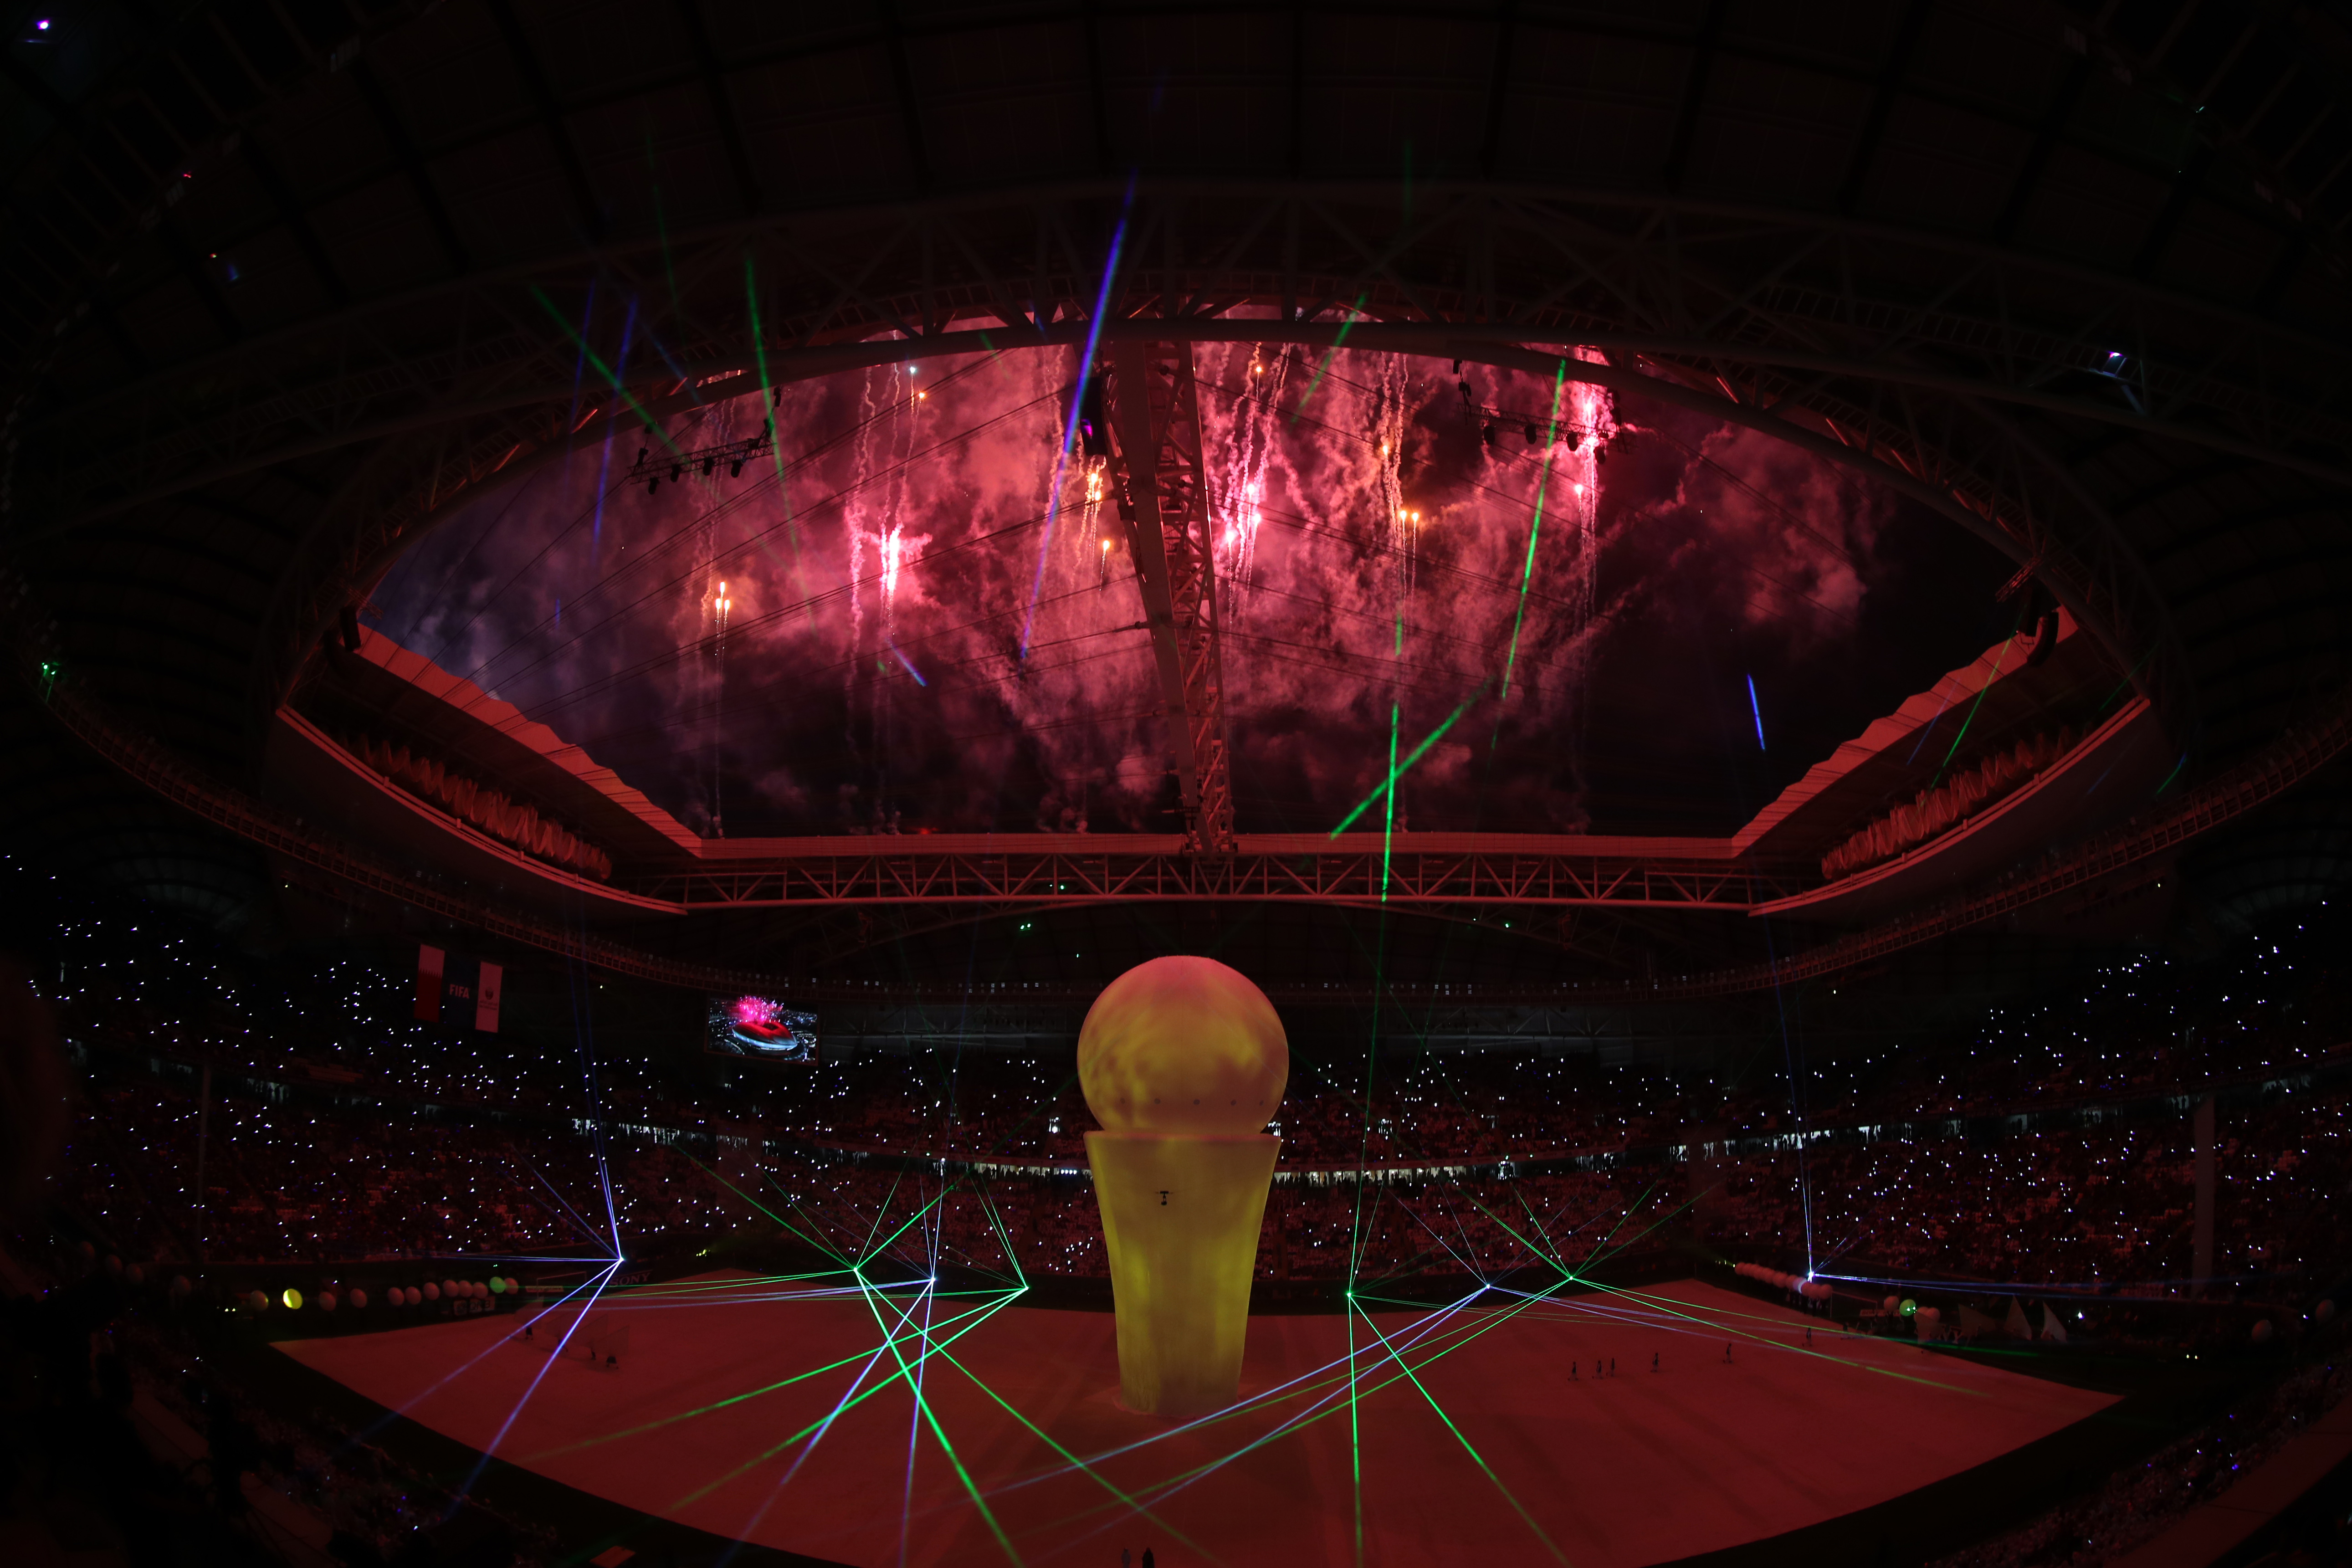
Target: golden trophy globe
x=1183 y=1061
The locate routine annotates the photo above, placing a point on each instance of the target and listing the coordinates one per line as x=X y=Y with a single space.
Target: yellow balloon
x=1182 y=1045
x=1183 y=1061
x=293 y=1299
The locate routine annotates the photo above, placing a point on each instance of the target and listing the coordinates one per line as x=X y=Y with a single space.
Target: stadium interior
x=617 y=618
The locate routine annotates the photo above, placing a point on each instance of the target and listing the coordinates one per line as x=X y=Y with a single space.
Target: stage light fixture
x=735 y=469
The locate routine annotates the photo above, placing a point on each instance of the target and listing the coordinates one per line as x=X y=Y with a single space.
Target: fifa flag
x=452 y=986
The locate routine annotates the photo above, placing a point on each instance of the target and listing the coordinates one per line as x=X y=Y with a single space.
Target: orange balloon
x=1182 y=1045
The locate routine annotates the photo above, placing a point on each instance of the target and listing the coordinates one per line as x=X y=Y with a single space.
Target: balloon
x=326 y=1301
x=2262 y=1332
x=1182 y=1044
x=497 y=1286
x=1910 y=1307
x=135 y=1274
x=449 y=1289
x=259 y=1300
x=114 y=1266
x=2324 y=1313
x=293 y=1299
x=432 y=1291
x=180 y=1288
x=359 y=1299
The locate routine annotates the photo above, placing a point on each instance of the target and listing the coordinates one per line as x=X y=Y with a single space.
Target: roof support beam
x=1702 y=62
x=411 y=163
x=723 y=107
x=2045 y=142
x=1161 y=472
x=551 y=114
x=902 y=79
x=297 y=219
x=1498 y=81
x=1882 y=105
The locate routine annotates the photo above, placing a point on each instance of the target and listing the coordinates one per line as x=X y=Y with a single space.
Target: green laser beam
x=1462 y=1337
x=939 y=1432
x=776 y=434
x=1999 y=659
x=1599 y=1257
x=1329 y=355
x=733 y=1399
x=2125 y=684
x=1080 y=1465
x=1535 y=532
x=1325 y=1406
x=1668 y=1307
x=817 y=1242
x=818 y=1425
x=602 y=369
x=1396 y=772
x=1003 y=1237
x=1470 y=1448
x=880 y=1214
x=1388 y=825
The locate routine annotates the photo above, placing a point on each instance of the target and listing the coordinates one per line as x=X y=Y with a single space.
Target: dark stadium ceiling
x=289 y=284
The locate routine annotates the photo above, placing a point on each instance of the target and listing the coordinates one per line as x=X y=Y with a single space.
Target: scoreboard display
x=760 y=1029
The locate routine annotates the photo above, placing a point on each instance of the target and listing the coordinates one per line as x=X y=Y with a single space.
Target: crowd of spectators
x=2110 y=1206
x=355 y=1133
x=113 y=1405
x=1482 y=1228
x=291 y=1182
x=2045 y=1155
x=2138 y=1502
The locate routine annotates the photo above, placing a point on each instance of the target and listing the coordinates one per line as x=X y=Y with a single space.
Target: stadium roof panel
x=2079 y=274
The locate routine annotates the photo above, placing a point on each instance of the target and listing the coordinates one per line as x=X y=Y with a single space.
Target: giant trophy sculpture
x=1183 y=1061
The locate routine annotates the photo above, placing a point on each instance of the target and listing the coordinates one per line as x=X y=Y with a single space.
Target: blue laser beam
x=1077 y=401
x=1757 y=709
x=457 y=1498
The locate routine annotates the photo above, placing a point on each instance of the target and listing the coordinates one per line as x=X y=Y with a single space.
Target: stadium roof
x=288 y=282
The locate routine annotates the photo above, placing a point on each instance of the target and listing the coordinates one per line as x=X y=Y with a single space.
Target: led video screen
x=762 y=1028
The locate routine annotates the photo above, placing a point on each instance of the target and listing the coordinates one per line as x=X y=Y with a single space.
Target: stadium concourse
x=1731 y=623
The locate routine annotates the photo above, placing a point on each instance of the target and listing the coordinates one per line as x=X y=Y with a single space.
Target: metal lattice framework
x=345 y=871
x=1788 y=327
x=1160 y=469
x=2073 y=280
x=1356 y=869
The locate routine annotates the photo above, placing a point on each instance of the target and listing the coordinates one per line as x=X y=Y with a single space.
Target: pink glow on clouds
x=1373 y=554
